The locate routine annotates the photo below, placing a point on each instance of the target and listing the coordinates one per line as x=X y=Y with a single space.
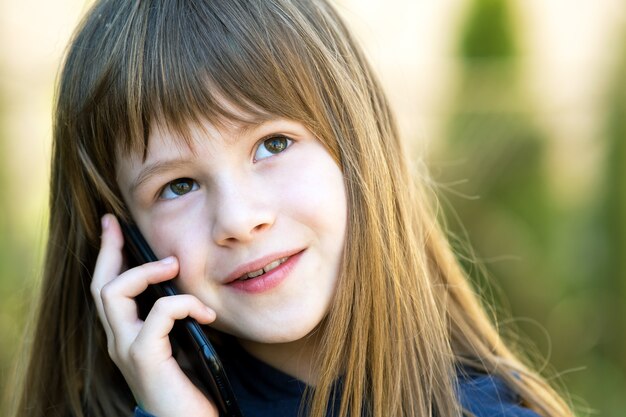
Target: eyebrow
x=159 y=167
x=154 y=169
x=248 y=127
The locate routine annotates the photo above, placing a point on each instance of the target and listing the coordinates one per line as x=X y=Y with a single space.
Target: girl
x=252 y=145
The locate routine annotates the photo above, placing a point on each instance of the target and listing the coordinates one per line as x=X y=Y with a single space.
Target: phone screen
x=187 y=333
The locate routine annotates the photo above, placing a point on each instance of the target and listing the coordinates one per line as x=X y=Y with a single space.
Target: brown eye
x=272 y=146
x=178 y=187
x=275 y=145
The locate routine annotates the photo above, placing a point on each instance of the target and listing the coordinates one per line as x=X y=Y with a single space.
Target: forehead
x=185 y=139
x=184 y=130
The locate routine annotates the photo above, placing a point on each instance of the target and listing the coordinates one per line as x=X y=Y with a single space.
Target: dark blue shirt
x=264 y=391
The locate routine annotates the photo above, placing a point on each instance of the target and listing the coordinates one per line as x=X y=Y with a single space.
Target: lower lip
x=269 y=280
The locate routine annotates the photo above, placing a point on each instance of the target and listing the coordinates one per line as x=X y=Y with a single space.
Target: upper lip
x=258 y=264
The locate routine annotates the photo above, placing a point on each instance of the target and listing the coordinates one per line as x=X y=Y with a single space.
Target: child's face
x=239 y=200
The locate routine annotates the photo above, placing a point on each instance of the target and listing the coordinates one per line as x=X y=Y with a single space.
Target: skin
x=248 y=195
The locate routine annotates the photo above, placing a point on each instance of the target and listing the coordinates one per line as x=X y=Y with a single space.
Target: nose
x=242 y=210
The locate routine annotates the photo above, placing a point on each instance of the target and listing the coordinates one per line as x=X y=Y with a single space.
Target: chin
x=277 y=333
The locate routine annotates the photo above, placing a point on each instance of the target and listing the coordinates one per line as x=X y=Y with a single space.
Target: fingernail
x=168 y=260
x=105 y=222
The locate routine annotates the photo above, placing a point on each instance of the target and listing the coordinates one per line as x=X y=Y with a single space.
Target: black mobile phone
x=187 y=333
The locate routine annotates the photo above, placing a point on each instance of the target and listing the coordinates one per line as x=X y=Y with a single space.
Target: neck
x=295 y=358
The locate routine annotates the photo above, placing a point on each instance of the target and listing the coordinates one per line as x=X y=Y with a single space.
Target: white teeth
x=254 y=273
x=273 y=265
x=266 y=268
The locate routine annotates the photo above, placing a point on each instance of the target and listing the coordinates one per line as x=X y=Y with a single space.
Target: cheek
x=317 y=196
x=175 y=230
x=181 y=239
x=190 y=250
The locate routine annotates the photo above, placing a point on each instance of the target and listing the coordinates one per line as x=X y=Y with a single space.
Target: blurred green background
x=517 y=107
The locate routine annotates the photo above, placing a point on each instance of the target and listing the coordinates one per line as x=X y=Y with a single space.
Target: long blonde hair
x=404 y=316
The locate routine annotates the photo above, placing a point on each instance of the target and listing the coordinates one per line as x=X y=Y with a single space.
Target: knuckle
x=162 y=306
x=150 y=267
x=107 y=293
x=144 y=268
x=188 y=299
x=95 y=289
x=135 y=353
x=111 y=350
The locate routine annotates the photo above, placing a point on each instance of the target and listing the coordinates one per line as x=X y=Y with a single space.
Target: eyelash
x=264 y=141
x=286 y=143
x=164 y=190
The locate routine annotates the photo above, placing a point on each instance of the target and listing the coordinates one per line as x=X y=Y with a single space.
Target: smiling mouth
x=265 y=269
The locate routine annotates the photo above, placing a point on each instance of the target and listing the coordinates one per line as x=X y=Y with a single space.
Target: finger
x=108 y=264
x=118 y=296
x=154 y=335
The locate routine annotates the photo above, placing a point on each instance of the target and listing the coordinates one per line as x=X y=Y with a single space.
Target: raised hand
x=141 y=349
